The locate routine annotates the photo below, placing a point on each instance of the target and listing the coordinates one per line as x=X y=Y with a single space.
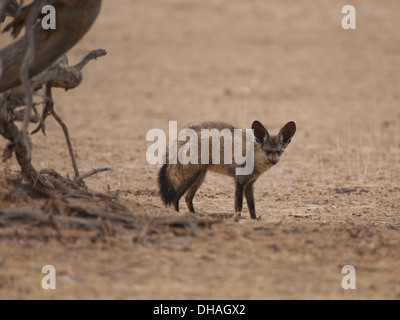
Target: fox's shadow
x=220 y=215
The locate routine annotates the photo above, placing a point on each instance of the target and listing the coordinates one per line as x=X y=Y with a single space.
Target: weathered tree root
x=107 y=217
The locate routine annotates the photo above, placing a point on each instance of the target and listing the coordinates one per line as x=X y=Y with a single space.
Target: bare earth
x=332 y=201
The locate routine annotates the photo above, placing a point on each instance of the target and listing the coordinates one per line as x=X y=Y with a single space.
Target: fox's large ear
x=260 y=132
x=287 y=132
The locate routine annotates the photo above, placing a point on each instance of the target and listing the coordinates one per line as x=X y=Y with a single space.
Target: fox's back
x=210 y=125
x=213 y=130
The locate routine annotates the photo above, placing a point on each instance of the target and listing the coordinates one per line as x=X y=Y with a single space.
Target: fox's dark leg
x=176 y=203
x=239 y=197
x=249 y=193
x=192 y=180
x=192 y=191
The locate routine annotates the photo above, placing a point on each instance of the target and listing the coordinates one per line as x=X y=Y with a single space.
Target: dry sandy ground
x=332 y=201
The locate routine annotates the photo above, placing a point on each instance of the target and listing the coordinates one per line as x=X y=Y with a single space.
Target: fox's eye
x=278 y=153
x=268 y=152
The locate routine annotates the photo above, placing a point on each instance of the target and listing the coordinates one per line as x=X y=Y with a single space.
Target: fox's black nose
x=273 y=162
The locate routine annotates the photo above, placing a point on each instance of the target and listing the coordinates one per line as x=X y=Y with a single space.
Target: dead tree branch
x=59 y=75
x=27 y=58
x=74 y=18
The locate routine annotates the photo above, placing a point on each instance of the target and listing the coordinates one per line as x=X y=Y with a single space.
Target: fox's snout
x=273 y=156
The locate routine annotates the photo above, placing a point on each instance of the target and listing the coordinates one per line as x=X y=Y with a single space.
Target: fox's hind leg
x=192 y=191
x=191 y=180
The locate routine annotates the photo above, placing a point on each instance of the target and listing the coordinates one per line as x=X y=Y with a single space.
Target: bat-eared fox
x=177 y=179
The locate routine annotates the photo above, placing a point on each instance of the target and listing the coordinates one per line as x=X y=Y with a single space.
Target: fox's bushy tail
x=167 y=192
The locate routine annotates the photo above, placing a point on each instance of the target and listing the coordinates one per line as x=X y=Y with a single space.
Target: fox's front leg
x=249 y=193
x=239 y=198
